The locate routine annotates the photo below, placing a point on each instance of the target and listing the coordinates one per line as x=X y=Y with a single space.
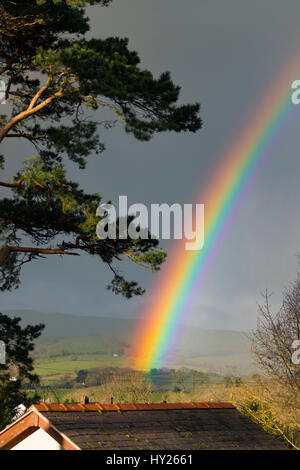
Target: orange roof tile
x=60 y=407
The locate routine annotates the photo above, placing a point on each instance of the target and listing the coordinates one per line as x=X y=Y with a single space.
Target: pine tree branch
x=6 y=250
x=28 y=112
x=40 y=92
x=11 y=185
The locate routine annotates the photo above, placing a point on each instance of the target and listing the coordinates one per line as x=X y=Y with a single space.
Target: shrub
x=261 y=414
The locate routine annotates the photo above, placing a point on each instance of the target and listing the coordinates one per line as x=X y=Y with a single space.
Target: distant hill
x=221 y=351
x=58 y=325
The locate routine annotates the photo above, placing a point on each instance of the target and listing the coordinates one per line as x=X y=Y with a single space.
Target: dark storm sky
x=225 y=54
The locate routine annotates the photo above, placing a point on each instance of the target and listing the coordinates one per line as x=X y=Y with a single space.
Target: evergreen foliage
x=55 y=77
x=17 y=372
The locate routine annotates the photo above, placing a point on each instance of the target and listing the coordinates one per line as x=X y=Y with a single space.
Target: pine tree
x=17 y=372
x=54 y=77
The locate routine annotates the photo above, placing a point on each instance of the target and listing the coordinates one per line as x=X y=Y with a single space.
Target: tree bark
x=6 y=250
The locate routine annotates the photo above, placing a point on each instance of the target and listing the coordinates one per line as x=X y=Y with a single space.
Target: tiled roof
x=162 y=426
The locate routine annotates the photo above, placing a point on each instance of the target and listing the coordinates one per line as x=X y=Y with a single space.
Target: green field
x=56 y=358
x=63 y=365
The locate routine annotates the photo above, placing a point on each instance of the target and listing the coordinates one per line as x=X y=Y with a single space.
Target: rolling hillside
x=74 y=342
x=59 y=325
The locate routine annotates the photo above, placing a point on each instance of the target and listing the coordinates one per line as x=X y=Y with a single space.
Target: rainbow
x=184 y=272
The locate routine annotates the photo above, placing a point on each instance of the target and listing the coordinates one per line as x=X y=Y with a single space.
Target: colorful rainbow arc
x=222 y=197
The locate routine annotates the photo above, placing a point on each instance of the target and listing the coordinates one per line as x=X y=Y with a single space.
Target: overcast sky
x=224 y=54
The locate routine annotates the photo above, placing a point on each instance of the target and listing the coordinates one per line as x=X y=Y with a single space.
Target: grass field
x=57 y=357
x=91 y=344
x=62 y=365
x=56 y=370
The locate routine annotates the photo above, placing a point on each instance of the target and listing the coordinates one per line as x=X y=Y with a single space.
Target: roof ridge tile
x=97 y=406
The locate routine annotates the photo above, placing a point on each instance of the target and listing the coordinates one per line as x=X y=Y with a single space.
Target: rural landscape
x=149 y=229
x=209 y=365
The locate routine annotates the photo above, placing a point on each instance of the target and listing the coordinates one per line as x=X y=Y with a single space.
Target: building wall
x=39 y=440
